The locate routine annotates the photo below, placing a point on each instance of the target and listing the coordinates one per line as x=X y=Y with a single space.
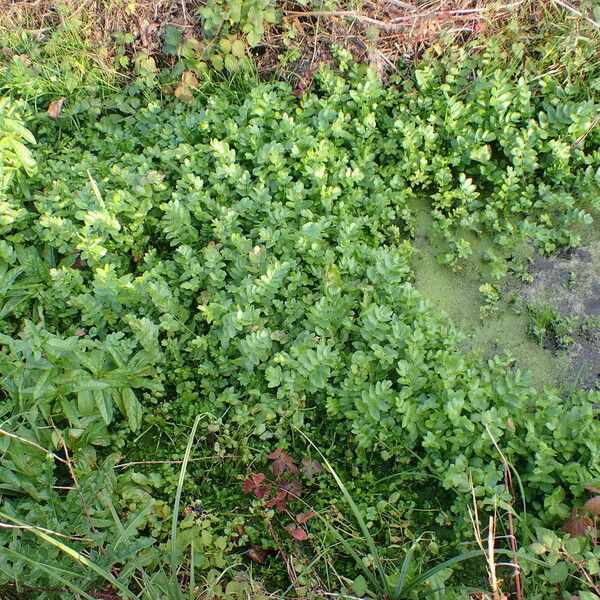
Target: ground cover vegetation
x=218 y=378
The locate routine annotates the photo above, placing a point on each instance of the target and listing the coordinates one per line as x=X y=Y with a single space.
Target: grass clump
x=247 y=257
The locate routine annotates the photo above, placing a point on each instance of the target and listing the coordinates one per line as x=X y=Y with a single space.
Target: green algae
x=456 y=292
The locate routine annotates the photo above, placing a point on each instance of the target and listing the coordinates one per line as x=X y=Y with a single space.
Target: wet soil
x=569 y=282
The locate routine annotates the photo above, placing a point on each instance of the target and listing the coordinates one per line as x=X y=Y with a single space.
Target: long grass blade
x=421 y=579
x=418 y=581
x=357 y=515
x=184 y=464
x=77 y=556
x=374 y=582
x=51 y=570
x=399 y=589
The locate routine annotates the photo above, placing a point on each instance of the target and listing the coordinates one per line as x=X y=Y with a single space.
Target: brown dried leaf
x=593 y=506
x=183 y=92
x=257 y=554
x=298 y=26
x=25 y=58
x=55 y=107
x=305 y=516
x=190 y=79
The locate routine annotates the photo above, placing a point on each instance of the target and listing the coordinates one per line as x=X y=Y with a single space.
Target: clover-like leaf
x=282 y=462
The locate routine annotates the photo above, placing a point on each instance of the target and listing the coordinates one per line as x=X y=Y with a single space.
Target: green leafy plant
x=549 y=327
x=404 y=582
x=65 y=63
x=220 y=17
x=122 y=554
x=247 y=255
x=14 y=140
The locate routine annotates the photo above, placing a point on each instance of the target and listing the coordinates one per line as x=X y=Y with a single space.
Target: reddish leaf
x=293 y=488
x=311 y=467
x=577 y=525
x=297 y=533
x=593 y=506
x=282 y=462
x=305 y=516
x=254 y=484
x=278 y=501
x=257 y=554
x=594 y=489
x=55 y=107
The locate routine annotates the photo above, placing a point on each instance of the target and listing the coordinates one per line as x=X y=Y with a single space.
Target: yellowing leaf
x=189 y=79
x=184 y=91
x=231 y=63
x=238 y=48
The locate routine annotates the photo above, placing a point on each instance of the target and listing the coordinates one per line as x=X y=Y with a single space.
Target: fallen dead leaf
x=577 y=525
x=55 y=107
x=184 y=91
x=257 y=554
x=593 y=506
x=296 y=532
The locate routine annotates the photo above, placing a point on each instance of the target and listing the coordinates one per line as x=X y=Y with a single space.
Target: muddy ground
x=569 y=281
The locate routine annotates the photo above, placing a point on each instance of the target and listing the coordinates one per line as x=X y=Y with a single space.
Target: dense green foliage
x=250 y=260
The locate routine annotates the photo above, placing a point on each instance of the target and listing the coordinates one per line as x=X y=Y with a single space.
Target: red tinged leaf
x=298 y=534
x=577 y=525
x=254 y=484
x=257 y=554
x=305 y=517
x=293 y=488
x=593 y=506
x=282 y=462
x=311 y=467
x=594 y=489
x=278 y=501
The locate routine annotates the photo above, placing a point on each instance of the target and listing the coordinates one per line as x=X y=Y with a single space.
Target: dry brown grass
x=380 y=32
x=145 y=19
